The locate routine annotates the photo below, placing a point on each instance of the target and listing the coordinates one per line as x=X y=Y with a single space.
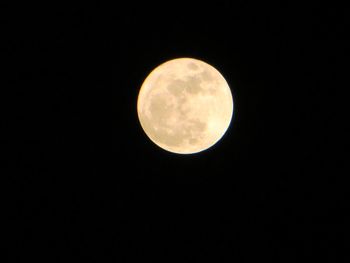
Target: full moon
x=185 y=106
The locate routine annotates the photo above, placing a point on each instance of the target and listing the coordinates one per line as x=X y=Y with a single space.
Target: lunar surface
x=185 y=106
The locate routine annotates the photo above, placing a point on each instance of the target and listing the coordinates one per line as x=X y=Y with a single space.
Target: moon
x=185 y=106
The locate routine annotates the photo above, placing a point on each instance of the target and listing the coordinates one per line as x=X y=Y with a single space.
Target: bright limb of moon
x=185 y=106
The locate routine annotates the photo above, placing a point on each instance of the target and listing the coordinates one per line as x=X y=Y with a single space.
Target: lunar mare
x=185 y=106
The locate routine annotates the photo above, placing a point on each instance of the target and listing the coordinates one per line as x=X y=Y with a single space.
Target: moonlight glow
x=185 y=106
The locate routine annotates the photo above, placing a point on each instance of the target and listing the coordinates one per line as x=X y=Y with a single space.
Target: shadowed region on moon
x=183 y=106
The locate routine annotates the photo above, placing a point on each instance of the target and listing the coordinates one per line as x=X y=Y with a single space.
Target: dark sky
x=87 y=185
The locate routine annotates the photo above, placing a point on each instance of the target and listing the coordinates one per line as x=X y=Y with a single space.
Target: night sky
x=87 y=185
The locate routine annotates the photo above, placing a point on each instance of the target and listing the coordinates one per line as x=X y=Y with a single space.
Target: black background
x=87 y=185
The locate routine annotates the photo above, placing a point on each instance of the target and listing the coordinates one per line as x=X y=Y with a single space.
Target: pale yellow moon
x=185 y=106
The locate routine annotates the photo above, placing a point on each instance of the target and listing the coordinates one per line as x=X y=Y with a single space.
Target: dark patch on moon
x=192 y=66
x=160 y=109
x=160 y=131
x=193 y=85
x=197 y=125
x=207 y=76
x=193 y=141
x=176 y=87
